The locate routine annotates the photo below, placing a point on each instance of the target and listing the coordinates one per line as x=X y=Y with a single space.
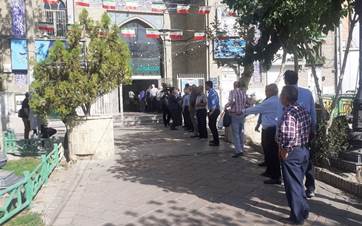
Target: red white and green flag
x=84 y=3
x=199 y=36
x=221 y=35
x=153 y=33
x=131 y=5
x=46 y=27
x=128 y=32
x=176 y=35
x=158 y=7
x=109 y=4
x=183 y=9
x=50 y=1
x=203 y=10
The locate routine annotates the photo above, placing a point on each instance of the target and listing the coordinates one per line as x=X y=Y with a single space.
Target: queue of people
x=288 y=124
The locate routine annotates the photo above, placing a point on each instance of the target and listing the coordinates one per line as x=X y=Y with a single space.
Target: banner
x=19 y=54
x=152 y=33
x=158 y=7
x=183 y=9
x=199 y=36
x=176 y=35
x=50 y=1
x=128 y=32
x=203 y=10
x=84 y=3
x=131 y=5
x=109 y=4
x=45 y=27
x=18 y=24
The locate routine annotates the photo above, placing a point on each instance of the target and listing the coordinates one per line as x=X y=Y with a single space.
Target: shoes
x=310 y=194
x=265 y=174
x=262 y=164
x=290 y=221
x=273 y=181
x=214 y=144
x=237 y=155
x=194 y=136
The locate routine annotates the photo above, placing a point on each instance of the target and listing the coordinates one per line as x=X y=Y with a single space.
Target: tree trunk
x=352 y=24
x=246 y=76
x=282 y=66
x=319 y=90
x=296 y=62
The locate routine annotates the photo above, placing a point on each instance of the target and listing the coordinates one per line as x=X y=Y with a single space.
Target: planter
x=92 y=136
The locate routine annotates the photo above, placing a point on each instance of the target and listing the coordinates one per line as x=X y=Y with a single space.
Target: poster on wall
x=19 y=54
x=18 y=25
x=230 y=48
x=227 y=22
x=21 y=80
x=42 y=49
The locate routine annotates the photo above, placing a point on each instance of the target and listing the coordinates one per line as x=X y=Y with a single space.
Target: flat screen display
x=230 y=48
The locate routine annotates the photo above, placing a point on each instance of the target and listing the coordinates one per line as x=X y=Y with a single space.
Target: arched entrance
x=147 y=61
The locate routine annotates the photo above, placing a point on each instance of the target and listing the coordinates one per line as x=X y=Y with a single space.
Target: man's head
x=236 y=85
x=208 y=85
x=289 y=95
x=187 y=86
x=271 y=90
x=291 y=78
x=187 y=90
x=27 y=94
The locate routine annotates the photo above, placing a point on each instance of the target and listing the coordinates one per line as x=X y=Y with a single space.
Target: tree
x=92 y=62
x=288 y=24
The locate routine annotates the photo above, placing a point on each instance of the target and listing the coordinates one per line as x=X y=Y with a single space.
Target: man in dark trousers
x=293 y=138
x=175 y=108
x=271 y=111
x=214 y=111
x=305 y=99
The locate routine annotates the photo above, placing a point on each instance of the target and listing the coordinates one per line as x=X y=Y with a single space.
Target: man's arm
x=313 y=114
x=230 y=101
x=261 y=108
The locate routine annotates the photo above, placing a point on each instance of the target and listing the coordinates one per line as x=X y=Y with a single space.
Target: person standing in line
x=214 y=112
x=293 y=139
x=237 y=105
x=193 y=96
x=175 y=109
x=166 y=115
x=271 y=111
x=186 y=109
x=201 y=112
x=305 y=99
x=153 y=97
x=24 y=115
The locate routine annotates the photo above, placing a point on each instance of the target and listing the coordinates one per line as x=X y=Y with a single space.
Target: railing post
x=44 y=169
x=56 y=153
x=29 y=188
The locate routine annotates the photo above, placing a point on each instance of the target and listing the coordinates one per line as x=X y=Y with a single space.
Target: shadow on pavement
x=228 y=191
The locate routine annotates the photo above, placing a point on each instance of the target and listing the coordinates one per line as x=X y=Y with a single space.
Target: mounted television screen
x=230 y=48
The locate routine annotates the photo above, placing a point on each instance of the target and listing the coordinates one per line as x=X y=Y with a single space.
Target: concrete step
x=347 y=166
x=135 y=119
x=352 y=156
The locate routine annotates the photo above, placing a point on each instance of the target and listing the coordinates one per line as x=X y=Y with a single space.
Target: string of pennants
x=176 y=35
x=157 y=7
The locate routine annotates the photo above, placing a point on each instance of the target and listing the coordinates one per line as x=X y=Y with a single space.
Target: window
x=53 y=19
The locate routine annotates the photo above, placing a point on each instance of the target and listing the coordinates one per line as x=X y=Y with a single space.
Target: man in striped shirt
x=237 y=105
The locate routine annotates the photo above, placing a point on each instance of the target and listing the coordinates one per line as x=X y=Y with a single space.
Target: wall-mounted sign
x=42 y=49
x=230 y=48
x=19 y=54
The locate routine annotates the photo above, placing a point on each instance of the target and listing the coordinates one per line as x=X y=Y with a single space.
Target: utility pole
x=357 y=106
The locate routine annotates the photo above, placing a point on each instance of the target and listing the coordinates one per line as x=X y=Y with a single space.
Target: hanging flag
x=203 y=10
x=199 y=36
x=84 y=3
x=158 y=7
x=221 y=35
x=50 y=1
x=109 y=4
x=176 y=35
x=183 y=9
x=131 y=5
x=128 y=32
x=47 y=27
x=153 y=33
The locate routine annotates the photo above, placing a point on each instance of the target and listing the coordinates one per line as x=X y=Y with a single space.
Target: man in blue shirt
x=214 y=112
x=305 y=99
x=271 y=111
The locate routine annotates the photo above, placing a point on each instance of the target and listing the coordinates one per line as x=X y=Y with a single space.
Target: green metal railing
x=31 y=147
x=19 y=196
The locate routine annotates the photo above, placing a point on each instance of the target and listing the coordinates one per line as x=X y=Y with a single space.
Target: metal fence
x=19 y=196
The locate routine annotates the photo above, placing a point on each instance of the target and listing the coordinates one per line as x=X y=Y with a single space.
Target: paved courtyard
x=161 y=177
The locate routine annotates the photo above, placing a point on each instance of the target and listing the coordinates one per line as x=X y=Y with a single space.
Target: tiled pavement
x=165 y=178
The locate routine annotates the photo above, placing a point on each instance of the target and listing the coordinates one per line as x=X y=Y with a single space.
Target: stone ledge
x=337 y=181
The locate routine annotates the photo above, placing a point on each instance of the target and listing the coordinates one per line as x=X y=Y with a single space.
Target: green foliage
x=21 y=165
x=288 y=24
x=26 y=219
x=327 y=146
x=93 y=61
